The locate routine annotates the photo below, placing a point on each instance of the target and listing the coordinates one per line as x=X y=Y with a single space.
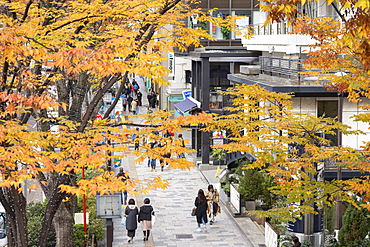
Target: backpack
x=136 y=87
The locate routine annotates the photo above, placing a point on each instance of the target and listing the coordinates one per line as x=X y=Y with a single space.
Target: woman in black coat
x=202 y=210
x=131 y=213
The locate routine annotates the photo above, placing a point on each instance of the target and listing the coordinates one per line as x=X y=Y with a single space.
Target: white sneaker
x=204 y=228
x=198 y=229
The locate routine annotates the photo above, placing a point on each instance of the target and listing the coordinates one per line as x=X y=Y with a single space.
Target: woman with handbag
x=201 y=211
x=131 y=213
x=213 y=199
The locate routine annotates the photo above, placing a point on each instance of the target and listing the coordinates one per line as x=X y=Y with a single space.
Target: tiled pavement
x=174 y=225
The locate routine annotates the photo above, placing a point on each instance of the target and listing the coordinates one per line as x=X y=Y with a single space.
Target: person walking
x=124 y=178
x=153 y=100
x=145 y=217
x=136 y=140
x=137 y=107
x=133 y=106
x=182 y=155
x=213 y=198
x=129 y=101
x=131 y=213
x=139 y=96
x=201 y=211
x=124 y=102
x=295 y=242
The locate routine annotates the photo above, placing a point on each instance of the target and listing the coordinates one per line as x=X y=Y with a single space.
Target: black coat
x=201 y=211
x=145 y=213
x=131 y=213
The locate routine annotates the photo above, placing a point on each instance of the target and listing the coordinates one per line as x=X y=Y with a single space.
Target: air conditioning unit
x=250 y=69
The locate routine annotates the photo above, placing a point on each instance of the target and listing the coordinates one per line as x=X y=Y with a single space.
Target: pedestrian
x=153 y=100
x=157 y=99
x=145 y=217
x=137 y=107
x=124 y=102
x=139 y=96
x=134 y=106
x=131 y=213
x=149 y=98
x=201 y=211
x=124 y=178
x=129 y=101
x=167 y=155
x=182 y=144
x=213 y=198
x=295 y=242
x=136 y=140
x=153 y=165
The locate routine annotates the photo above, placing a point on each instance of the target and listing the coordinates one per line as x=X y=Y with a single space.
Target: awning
x=184 y=106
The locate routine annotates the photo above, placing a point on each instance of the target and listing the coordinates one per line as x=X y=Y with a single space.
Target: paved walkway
x=174 y=226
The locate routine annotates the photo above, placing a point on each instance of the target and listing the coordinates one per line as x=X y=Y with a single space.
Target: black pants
x=131 y=233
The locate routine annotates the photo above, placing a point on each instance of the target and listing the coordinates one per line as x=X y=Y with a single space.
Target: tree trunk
x=63 y=223
x=16 y=220
x=54 y=197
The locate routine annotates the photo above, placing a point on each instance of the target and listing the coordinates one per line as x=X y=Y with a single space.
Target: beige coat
x=213 y=197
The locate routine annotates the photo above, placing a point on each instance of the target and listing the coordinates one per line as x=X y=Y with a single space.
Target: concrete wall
x=309 y=105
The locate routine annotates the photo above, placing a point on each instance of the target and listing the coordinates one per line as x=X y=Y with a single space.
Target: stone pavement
x=174 y=226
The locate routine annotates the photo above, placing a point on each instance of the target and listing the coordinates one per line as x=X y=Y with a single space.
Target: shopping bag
x=123 y=221
x=153 y=218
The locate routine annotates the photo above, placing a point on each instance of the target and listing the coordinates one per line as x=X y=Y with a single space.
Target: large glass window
x=328 y=109
x=218 y=76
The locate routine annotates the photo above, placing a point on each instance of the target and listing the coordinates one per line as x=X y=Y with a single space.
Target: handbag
x=123 y=221
x=193 y=211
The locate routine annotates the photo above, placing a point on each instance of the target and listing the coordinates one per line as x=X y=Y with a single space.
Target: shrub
x=35 y=214
x=356 y=225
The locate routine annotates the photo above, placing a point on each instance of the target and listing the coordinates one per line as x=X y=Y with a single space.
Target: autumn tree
x=58 y=59
x=290 y=148
x=339 y=55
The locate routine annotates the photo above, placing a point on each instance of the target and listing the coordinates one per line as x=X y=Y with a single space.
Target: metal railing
x=282 y=67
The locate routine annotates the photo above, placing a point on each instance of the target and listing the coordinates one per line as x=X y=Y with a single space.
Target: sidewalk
x=251 y=229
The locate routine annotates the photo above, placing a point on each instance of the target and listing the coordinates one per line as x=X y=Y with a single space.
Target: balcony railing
x=282 y=67
x=271 y=29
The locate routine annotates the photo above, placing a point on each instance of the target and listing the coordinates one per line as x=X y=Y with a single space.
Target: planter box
x=250 y=205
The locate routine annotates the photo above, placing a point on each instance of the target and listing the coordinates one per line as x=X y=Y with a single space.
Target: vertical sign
x=171 y=64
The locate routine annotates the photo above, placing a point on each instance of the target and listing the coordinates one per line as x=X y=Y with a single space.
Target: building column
x=204 y=99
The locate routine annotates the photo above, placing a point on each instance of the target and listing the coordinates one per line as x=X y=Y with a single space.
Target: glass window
x=242 y=4
x=242 y=22
x=220 y=33
x=328 y=109
x=218 y=75
x=219 y=4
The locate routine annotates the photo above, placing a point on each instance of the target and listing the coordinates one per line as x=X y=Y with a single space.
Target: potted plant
x=225 y=30
x=251 y=187
x=218 y=155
